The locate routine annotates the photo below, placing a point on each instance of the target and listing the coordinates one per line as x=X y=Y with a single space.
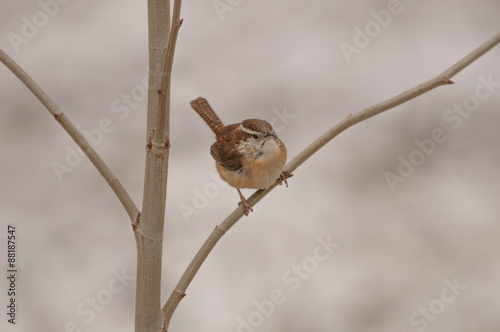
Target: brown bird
x=248 y=155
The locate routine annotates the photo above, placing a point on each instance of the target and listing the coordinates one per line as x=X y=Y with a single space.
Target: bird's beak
x=272 y=135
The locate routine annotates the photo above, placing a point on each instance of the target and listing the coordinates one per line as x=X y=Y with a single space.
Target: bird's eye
x=255 y=136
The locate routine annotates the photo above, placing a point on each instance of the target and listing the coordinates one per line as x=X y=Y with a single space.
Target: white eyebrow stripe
x=248 y=131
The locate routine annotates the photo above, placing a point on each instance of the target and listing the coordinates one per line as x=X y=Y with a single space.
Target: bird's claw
x=284 y=175
x=246 y=207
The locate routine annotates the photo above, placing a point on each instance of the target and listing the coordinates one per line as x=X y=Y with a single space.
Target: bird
x=248 y=155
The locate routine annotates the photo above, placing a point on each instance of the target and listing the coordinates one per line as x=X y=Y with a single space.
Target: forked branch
x=352 y=119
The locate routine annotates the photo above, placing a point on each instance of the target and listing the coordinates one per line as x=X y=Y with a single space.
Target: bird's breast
x=262 y=165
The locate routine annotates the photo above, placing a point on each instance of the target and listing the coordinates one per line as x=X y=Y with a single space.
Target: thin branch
x=216 y=235
x=79 y=139
x=159 y=137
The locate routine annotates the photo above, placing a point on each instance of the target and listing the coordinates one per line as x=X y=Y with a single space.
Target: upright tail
x=201 y=106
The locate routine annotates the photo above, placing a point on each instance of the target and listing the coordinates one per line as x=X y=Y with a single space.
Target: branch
x=159 y=138
x=352 y=119
x=79 y=139
x=149 y=229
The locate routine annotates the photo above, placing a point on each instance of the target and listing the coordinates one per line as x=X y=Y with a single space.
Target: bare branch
x=442 y=79
x=149 y=229
x=79 y=139
x=159 y=137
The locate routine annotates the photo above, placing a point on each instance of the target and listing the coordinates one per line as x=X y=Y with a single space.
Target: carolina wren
x=248 y=155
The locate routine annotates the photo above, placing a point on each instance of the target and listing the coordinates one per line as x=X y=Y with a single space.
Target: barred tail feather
x=203 y=108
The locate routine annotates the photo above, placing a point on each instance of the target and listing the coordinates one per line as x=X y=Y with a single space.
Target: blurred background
x=415 y=224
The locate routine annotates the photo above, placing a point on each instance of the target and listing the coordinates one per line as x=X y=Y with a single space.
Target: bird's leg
x=246 y=207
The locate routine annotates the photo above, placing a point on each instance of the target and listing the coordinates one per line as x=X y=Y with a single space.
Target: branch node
x=149 y=145
x=136 y=223
x=180 y=22
x=179 y=293
x=352 y=117
x=137 y=232
x=58 y=116
x=222 y=230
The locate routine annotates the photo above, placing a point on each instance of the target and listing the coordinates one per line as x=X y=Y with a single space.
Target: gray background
x=397 y=249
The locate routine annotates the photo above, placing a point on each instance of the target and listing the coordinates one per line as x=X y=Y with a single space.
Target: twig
x=79 y=139
x=442 y=79
x=163 y=93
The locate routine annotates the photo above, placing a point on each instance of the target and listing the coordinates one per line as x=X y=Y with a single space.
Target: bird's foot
x=284 y=175
x=246 y=207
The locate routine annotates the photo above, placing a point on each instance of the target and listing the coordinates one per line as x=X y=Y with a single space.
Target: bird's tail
x=203 y=108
